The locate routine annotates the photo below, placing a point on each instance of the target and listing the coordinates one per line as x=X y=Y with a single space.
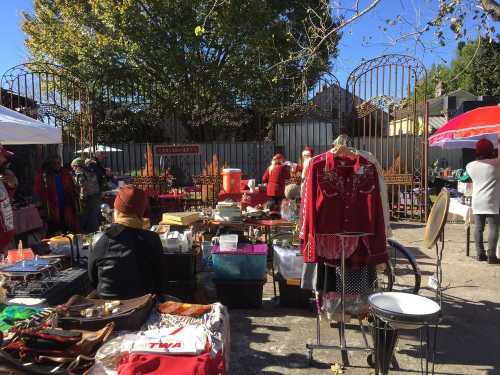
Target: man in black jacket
x=126 y=261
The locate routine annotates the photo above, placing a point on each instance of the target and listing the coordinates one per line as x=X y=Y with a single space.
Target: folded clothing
x=154 y=364
x=12 y=314
x=183 y=309
x=187 y=340
x=215 y=323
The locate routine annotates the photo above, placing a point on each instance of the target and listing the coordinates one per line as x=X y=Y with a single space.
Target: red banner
x=177 y=149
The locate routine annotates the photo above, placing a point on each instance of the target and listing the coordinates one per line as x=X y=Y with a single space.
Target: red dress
x=342 y=195
x=276 y=180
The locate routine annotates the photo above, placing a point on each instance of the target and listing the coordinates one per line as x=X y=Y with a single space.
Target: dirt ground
x=272 y=340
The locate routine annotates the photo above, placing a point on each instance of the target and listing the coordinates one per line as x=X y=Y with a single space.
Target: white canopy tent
x=18 y=129
x=98 y=148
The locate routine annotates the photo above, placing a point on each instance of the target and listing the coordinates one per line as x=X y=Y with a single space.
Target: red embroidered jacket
x=276 y=180
x=342 y=195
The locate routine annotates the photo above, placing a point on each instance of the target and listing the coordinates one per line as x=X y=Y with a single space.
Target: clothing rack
x=343 y=347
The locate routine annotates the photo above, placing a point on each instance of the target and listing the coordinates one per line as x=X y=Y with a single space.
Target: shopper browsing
x=126 y=261
x=485 y=175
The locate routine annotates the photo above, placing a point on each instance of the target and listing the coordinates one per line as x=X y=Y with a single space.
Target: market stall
x=18 y=129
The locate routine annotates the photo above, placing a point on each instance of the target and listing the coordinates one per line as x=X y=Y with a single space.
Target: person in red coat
x=55 y=189
x=275 y=177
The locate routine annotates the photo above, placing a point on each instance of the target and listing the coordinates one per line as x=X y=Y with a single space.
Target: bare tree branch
x=343 y=24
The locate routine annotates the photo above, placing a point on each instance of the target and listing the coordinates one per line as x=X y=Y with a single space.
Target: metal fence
x=130 y=159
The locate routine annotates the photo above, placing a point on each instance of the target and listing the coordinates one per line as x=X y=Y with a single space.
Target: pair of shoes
x=481 y=258
x=493 y=260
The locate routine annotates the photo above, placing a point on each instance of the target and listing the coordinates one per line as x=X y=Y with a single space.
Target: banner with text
x=177 y=150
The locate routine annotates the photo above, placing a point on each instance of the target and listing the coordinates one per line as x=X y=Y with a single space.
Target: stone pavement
x=272 y=340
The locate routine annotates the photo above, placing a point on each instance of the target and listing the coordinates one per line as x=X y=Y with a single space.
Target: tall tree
x=475 y=68
x=211 y=62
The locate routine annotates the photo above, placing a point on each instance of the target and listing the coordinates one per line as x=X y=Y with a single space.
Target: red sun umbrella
x=476 y=123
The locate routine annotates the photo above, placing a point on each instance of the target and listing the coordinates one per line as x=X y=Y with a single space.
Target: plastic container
x=231 y=178
x=179 y=266
x=183 y=290
x=240 y=294
x=228 y=242
x=291 y=294
x=288 y=262
x=249 y=262
x=15 y=255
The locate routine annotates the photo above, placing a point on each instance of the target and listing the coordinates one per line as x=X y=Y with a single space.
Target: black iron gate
x=312 y=118
x=387 y=116
x=51 y=94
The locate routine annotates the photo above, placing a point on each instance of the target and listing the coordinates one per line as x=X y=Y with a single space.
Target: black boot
x=493 y=260
x=481 y=257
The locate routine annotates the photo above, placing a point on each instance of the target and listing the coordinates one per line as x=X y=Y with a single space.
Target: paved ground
x=272 y=340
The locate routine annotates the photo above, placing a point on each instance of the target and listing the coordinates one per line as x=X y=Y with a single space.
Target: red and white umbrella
x=466 y=129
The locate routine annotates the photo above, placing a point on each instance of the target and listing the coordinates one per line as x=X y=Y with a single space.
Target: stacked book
x=180 y=218
x=228 y=212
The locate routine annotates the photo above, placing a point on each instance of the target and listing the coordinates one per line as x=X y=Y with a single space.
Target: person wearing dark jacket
x=126 y=261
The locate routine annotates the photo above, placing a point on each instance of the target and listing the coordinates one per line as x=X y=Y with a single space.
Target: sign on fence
x=177 y=149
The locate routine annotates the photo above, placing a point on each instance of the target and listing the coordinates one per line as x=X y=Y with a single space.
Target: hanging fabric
x=342 y=194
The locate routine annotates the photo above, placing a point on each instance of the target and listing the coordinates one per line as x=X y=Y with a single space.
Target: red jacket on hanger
x=342 y=195
x=276 y=180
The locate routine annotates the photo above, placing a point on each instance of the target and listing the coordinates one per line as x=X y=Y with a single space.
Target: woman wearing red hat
x=485 y=175
x=275 y=177
x=126 y=261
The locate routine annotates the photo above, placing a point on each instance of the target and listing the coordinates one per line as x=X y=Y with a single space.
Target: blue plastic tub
x=248 y=262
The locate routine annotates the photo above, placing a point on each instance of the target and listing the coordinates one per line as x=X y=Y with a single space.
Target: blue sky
x=363 y=39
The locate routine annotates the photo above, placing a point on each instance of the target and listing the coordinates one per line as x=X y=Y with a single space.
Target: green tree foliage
x=475 y=68
x=201 y=61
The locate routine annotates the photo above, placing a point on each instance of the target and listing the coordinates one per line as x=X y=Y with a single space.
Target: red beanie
x=131 y=200
x=484 y=148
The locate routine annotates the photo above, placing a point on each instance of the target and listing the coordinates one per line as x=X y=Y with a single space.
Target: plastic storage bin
x=288 y=262
x=240 y=294
x=248 y=262
x=291 y=294
x=179 y=266
x=228 y=242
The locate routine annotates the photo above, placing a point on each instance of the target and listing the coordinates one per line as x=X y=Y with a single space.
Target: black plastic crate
x=183 y=290
x=179 y=266
x=292 y=295
x=240 y=294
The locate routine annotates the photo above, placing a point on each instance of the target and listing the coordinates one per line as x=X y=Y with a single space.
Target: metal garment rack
x=343 y=347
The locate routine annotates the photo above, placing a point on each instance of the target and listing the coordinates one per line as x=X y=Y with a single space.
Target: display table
x=457 y=208
x=27 y=219
x=247 y=198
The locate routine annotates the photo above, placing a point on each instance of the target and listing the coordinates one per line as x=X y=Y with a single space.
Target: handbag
x=53 y=351
x=128 y=315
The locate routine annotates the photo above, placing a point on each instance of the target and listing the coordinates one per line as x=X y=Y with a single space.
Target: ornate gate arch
x=52 y=94
x=387 y=116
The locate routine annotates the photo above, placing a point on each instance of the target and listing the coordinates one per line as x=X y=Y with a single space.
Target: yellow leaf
x=199 y=30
